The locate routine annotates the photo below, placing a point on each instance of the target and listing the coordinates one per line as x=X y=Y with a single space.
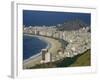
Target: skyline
x=49 y=18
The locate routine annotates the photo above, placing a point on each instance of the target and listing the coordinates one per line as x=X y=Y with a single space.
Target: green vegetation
x=79 y=60
x=83 y=60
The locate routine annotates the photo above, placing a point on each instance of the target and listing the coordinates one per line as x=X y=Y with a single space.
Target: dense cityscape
x=73 y=42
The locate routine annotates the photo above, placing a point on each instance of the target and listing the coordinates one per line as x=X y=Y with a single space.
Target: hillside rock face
x=72 y=25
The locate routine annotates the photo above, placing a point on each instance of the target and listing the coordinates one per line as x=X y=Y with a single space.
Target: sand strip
x=54 y=46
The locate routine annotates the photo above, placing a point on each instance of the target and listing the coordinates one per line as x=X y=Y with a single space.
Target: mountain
x=72 y=25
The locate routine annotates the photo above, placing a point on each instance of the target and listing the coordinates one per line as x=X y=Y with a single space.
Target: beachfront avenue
x=73 y=42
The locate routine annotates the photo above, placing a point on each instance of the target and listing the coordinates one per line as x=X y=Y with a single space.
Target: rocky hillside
x=72 y=25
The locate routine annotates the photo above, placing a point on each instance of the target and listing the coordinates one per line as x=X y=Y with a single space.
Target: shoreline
x=52 y=46
x=38 y=54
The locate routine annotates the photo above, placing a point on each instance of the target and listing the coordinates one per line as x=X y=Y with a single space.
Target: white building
x=46 y=56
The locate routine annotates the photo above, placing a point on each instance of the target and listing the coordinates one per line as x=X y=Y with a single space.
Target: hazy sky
x=31 y=18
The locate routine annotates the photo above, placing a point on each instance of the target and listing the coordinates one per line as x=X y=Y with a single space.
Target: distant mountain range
x=72 y=25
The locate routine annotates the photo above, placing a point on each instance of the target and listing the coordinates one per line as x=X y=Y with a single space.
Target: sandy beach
x=55 y=45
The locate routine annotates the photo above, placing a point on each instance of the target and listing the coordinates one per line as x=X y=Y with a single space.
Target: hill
x=72 y=25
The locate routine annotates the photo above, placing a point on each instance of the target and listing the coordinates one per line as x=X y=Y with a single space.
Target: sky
x=49 y=18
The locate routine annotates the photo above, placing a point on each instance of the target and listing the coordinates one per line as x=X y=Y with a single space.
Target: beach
x=53 y=46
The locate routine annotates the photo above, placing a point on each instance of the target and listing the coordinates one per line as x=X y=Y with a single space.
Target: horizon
x=50 y=18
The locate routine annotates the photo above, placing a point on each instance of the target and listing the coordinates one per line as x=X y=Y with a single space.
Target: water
x=49 y=18
x=32 y=45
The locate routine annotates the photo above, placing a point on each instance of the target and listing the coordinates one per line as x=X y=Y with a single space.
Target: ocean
x=50 y=18
x=32 y=45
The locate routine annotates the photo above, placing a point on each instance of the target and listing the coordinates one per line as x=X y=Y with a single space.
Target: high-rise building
x=46 y=56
